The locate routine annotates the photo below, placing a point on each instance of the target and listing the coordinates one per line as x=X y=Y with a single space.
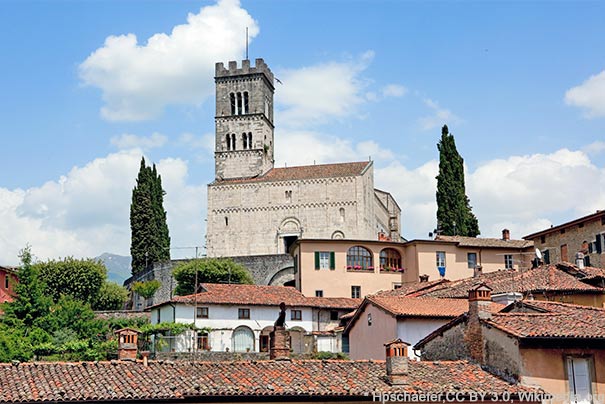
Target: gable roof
x=486 y=242
x=414 y=288
x=206 y=381
x=304 y=173
x=546 y=278
x=262 y=295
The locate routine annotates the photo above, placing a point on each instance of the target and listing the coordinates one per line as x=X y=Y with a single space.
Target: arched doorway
x=289 y=231
x=243 y=339
x=297 y=340
x=263 y=343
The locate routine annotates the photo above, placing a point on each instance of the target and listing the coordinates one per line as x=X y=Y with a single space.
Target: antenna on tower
x=246 y=43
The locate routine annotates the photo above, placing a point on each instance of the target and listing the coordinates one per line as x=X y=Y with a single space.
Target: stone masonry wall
x=447 y=347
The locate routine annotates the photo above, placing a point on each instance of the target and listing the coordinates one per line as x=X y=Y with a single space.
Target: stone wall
x=574 y=236
x=449 y=346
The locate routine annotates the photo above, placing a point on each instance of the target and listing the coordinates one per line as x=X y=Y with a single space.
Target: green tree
x=150 y=240
x=80 y=278
x=209 y=270
x=111 y=297
x=31 y=302
x=454 y=212
x=146 y=289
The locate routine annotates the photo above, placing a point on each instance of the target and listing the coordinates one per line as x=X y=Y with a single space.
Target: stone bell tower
x=244 y=120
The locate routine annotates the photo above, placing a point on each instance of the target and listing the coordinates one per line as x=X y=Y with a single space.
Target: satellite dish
x=538 y=254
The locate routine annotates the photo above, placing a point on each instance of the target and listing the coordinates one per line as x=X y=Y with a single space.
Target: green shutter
x=332 y=260
x=316 y=259
x=546 y=256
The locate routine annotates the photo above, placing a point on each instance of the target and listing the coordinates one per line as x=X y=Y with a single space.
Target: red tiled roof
x=414 y=288
x=305 y=172
x=262 y=295
x=547 y=278
x=132 y=381
x=554 y=320
x=486 y=242
x=403 y=306
x=584 y=219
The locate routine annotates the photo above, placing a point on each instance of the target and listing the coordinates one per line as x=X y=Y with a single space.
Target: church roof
x=305 y=172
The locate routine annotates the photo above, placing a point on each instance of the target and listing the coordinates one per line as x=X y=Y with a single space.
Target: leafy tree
x=146 y=289
x=111 y=297
x=150 y=240
x=31 y=302
x=454 y=213
x=80 y=278
x=209 y=270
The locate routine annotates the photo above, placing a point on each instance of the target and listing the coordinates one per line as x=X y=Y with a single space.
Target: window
x=359 y=258
x=390 y=259
x=239 y=103
x=233 y=108
x=356 y=292
x=440 y=258
x=508 y=261
x=324 y=260
x=243 y=314
x=202 y=341
x=246 y=109
x=6 y=282
x=334 y=315
x=546 y=256
x=564 y=252
x=249 y=140
x=603 y=220
x=233 y=141
x=158 y=317
x=228 y=141
x=319 y=293
x=471 y=260
x=295 y=315
x=288 y=196
x=369 y=319
x=599 y=243
x=587 y=260
x=579 y=372
x=226 y=221
x=542 y=239
x=264 y=343
x=245 y=140
x=202 y=312
x=581 y=225
x=562 y=231
x=341 y=211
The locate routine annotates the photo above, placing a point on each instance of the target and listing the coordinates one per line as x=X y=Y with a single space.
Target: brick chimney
x=127 y=343
x=479 y=301
x=397 y=361
x=279 y=343
x=505 y=234
x=477 y=271
x=424 y=278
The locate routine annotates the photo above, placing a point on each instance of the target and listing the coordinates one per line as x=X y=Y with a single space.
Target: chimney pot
x=580 y=260
x=397 y=361
x=478 y=271
x=279 y=343
x=505 y=234
x=424 y=278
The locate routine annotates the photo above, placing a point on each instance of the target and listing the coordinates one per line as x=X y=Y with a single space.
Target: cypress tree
x=150 y=240
x=454 y=212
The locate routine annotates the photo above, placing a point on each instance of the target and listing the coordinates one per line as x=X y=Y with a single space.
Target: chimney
x=397 y=361
x=145 y=356
x=479 y=301
x=580 y=260
x=424 y=278
x=478 y=271
x=127 y=343
x=279 y=343
x=505 y=234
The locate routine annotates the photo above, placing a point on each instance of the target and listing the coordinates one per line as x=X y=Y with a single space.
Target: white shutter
x=578 y=371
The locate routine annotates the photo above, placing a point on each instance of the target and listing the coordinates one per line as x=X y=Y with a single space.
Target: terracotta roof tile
x=305 y=172
x=130 y=381
x=555 y=320
x=420 y=306
x=216 y=293
x=541 y=279
x=486 y=242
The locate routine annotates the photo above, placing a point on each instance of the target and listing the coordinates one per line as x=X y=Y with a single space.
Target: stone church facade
x=257 y=211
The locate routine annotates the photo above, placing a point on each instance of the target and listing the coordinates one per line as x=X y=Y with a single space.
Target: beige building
x=562 y=243
x=356 y=268
x=256 y=209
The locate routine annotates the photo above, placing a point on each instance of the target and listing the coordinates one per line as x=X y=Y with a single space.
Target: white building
x=239 y=318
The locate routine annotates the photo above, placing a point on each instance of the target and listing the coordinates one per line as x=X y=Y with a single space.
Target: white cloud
x=86 y=212
x=394 y=90
x=130 y=141
x=308 y=147
x=589 y=95
x=314 y=94
x=595 y=148
x=138 y=80
x=440 y=116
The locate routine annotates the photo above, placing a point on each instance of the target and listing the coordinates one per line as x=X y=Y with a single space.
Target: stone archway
x=289 y=231
x=283 y=277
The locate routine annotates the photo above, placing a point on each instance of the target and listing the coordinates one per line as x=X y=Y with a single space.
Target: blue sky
x=86 y=92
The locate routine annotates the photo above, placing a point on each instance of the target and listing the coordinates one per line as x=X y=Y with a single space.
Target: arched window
x=233 y=141
x=233 y=110
x=249 y=140
x=390 y=260
x=359 y=258
x=239 y=103
x=245 y=140
x=246 y=108
x=341 y=211
x=228 y=141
